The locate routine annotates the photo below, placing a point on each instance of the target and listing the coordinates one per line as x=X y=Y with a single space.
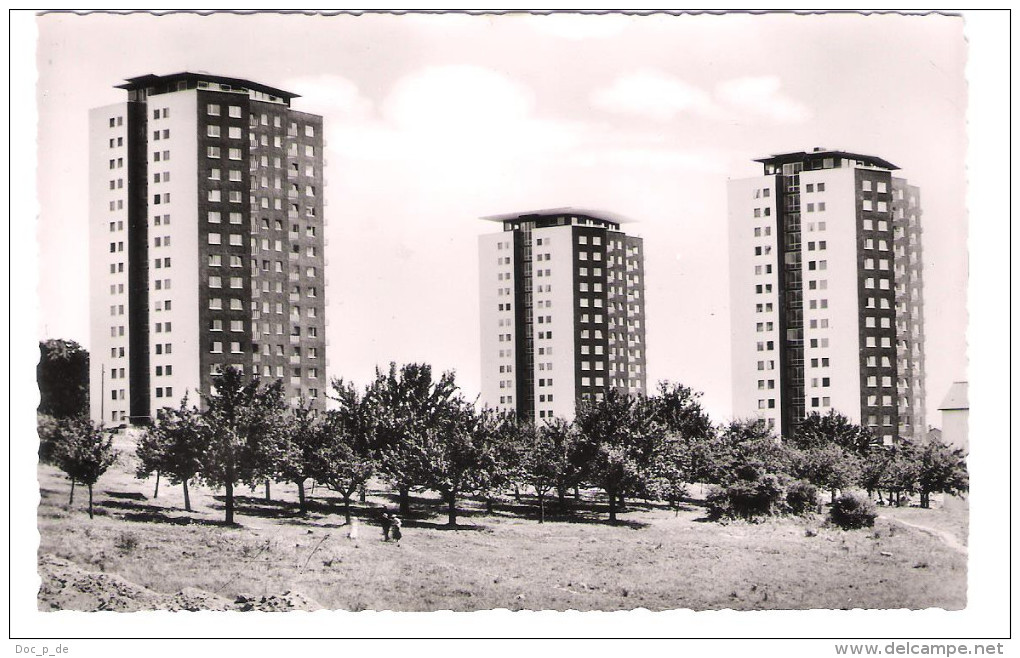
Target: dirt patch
x=66 y=586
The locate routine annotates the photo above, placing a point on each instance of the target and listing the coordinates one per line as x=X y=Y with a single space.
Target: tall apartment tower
x=206 y=242
x=562 y=311
x=826 y=293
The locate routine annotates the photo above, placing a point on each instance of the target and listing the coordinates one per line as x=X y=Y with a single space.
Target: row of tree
x=418 y=432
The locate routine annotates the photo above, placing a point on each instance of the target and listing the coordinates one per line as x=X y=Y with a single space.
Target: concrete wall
x=496 y=268
x=839 y=292
x=183 y=232
x=109 y=306
x=559 y=352
x=744 y=197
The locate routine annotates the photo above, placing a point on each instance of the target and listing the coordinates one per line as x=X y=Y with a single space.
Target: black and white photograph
x=507 y=312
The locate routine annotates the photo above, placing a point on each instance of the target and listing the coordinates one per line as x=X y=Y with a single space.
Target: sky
x=433 y=121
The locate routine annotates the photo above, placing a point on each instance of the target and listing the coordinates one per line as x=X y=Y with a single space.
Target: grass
x=651 y=559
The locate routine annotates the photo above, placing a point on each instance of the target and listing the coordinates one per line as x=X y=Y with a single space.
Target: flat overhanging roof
x=148 y=80
x=797 y=156
x=602 y=215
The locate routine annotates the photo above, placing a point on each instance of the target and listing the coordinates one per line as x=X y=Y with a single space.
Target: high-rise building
x=826 y=293
x=562 y=311
x=206 y=242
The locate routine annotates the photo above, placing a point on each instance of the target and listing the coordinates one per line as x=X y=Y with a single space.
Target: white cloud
x=704 y=160
x=330 y=94
x=657 y=95
x=651 y=94
x=456 y=96
x=455 y=117
x=761 y=96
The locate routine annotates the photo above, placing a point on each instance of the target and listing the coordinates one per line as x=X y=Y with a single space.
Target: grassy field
x=651 y=559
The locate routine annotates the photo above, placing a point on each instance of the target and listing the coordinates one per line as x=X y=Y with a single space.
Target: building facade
x=206 y=241
x=826 y=293
x=562 y=311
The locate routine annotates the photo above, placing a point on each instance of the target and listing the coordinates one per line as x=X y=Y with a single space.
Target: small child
x=396 y=527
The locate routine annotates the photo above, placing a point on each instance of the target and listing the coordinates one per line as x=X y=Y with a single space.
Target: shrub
x=748 y=500
x=853 y=510
x=126 y=542
x=802 y=497
x=718 y=502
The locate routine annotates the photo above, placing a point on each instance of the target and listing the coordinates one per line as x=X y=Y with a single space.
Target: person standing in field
x=396 y=527
x=387 y=522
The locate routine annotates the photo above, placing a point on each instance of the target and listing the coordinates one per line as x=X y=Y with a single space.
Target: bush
x=718 y=502
x=748 y=500
x=802 y=497
x=852 y=510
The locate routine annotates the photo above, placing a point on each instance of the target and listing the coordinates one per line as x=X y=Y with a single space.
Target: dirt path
x=948 y=538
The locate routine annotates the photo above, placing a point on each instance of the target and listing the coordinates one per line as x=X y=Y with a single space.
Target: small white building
x=955 y=410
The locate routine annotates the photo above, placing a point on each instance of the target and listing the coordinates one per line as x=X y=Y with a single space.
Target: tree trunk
x=347 y=508
x=612 y=505
x=229 y=502
x=623 y=505
x=187 y=496
x=488 y=506
x=405 y=500
x=155 y=493
x=577 y=494
x=561 y=497
x=925 y=499
x=301 y=495
x=90 y=502
x=71 y=499
x=541 y=507
x=267 y=492
x=362 y=492
x=832 y=495
x=451 y=501
x=517 y=493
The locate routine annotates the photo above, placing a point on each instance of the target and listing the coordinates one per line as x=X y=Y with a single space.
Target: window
x=212 y=151
x=212 y=130
x=212 y=109
x=234 y=132
x=234 y=111
x=215 y=238
x=215 y=282
x=234 y=154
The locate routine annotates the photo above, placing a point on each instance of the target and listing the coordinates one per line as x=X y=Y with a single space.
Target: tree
x=617 y=436
x=553 y=456
x=829 y=467
x=817 y=431
x=84 y=452
x=455 y=454
x=301 y=437
x=748 y=449
x=174 y=446
x=900 y=470
x=244 y=421
x=501 y=446
x=340 y=454
x=63 y=376
x=408 y=405
x=669 y=472
x=941 y=469
x=688 y=448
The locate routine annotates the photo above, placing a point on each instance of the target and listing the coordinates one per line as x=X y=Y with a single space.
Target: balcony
x=295 y=360
x=294 y=297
